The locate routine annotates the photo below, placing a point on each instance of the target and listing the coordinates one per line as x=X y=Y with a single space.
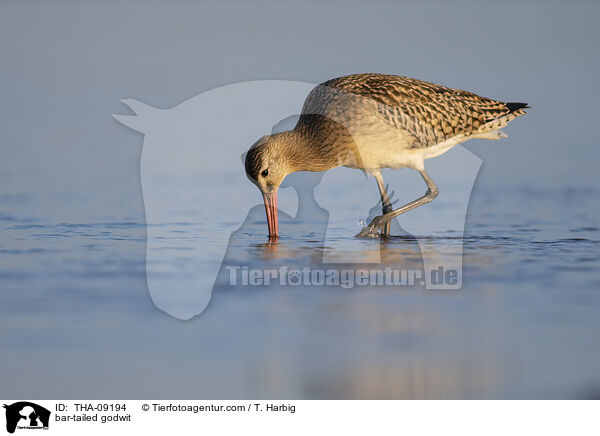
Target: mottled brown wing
x=430 y=113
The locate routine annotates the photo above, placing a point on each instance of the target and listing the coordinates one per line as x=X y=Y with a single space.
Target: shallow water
x=77 y=319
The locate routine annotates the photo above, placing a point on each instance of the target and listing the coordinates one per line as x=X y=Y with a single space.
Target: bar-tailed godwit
x=371 y=122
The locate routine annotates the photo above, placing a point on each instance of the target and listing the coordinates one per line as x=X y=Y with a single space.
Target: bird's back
x=428 y=114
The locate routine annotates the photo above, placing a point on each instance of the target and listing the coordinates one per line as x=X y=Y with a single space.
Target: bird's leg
x=380 y=221
x=386 y=204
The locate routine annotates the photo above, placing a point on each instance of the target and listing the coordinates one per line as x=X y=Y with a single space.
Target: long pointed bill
x=271 y=209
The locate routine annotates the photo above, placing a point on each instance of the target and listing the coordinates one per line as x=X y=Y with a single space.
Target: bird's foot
x=373 y=229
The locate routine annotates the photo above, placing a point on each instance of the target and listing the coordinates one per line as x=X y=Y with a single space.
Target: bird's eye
x=265 y=173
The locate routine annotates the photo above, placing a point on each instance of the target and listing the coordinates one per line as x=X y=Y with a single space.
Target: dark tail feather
x=512 y=106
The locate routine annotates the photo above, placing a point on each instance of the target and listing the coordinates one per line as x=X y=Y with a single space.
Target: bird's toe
x=372 y=230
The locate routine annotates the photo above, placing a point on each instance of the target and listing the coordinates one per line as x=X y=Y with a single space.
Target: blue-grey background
x=76 y=319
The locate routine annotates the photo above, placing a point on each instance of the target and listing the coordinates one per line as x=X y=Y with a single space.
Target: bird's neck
x=316 y=148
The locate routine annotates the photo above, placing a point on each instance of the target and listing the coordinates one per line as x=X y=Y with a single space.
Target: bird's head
x=268 y=162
